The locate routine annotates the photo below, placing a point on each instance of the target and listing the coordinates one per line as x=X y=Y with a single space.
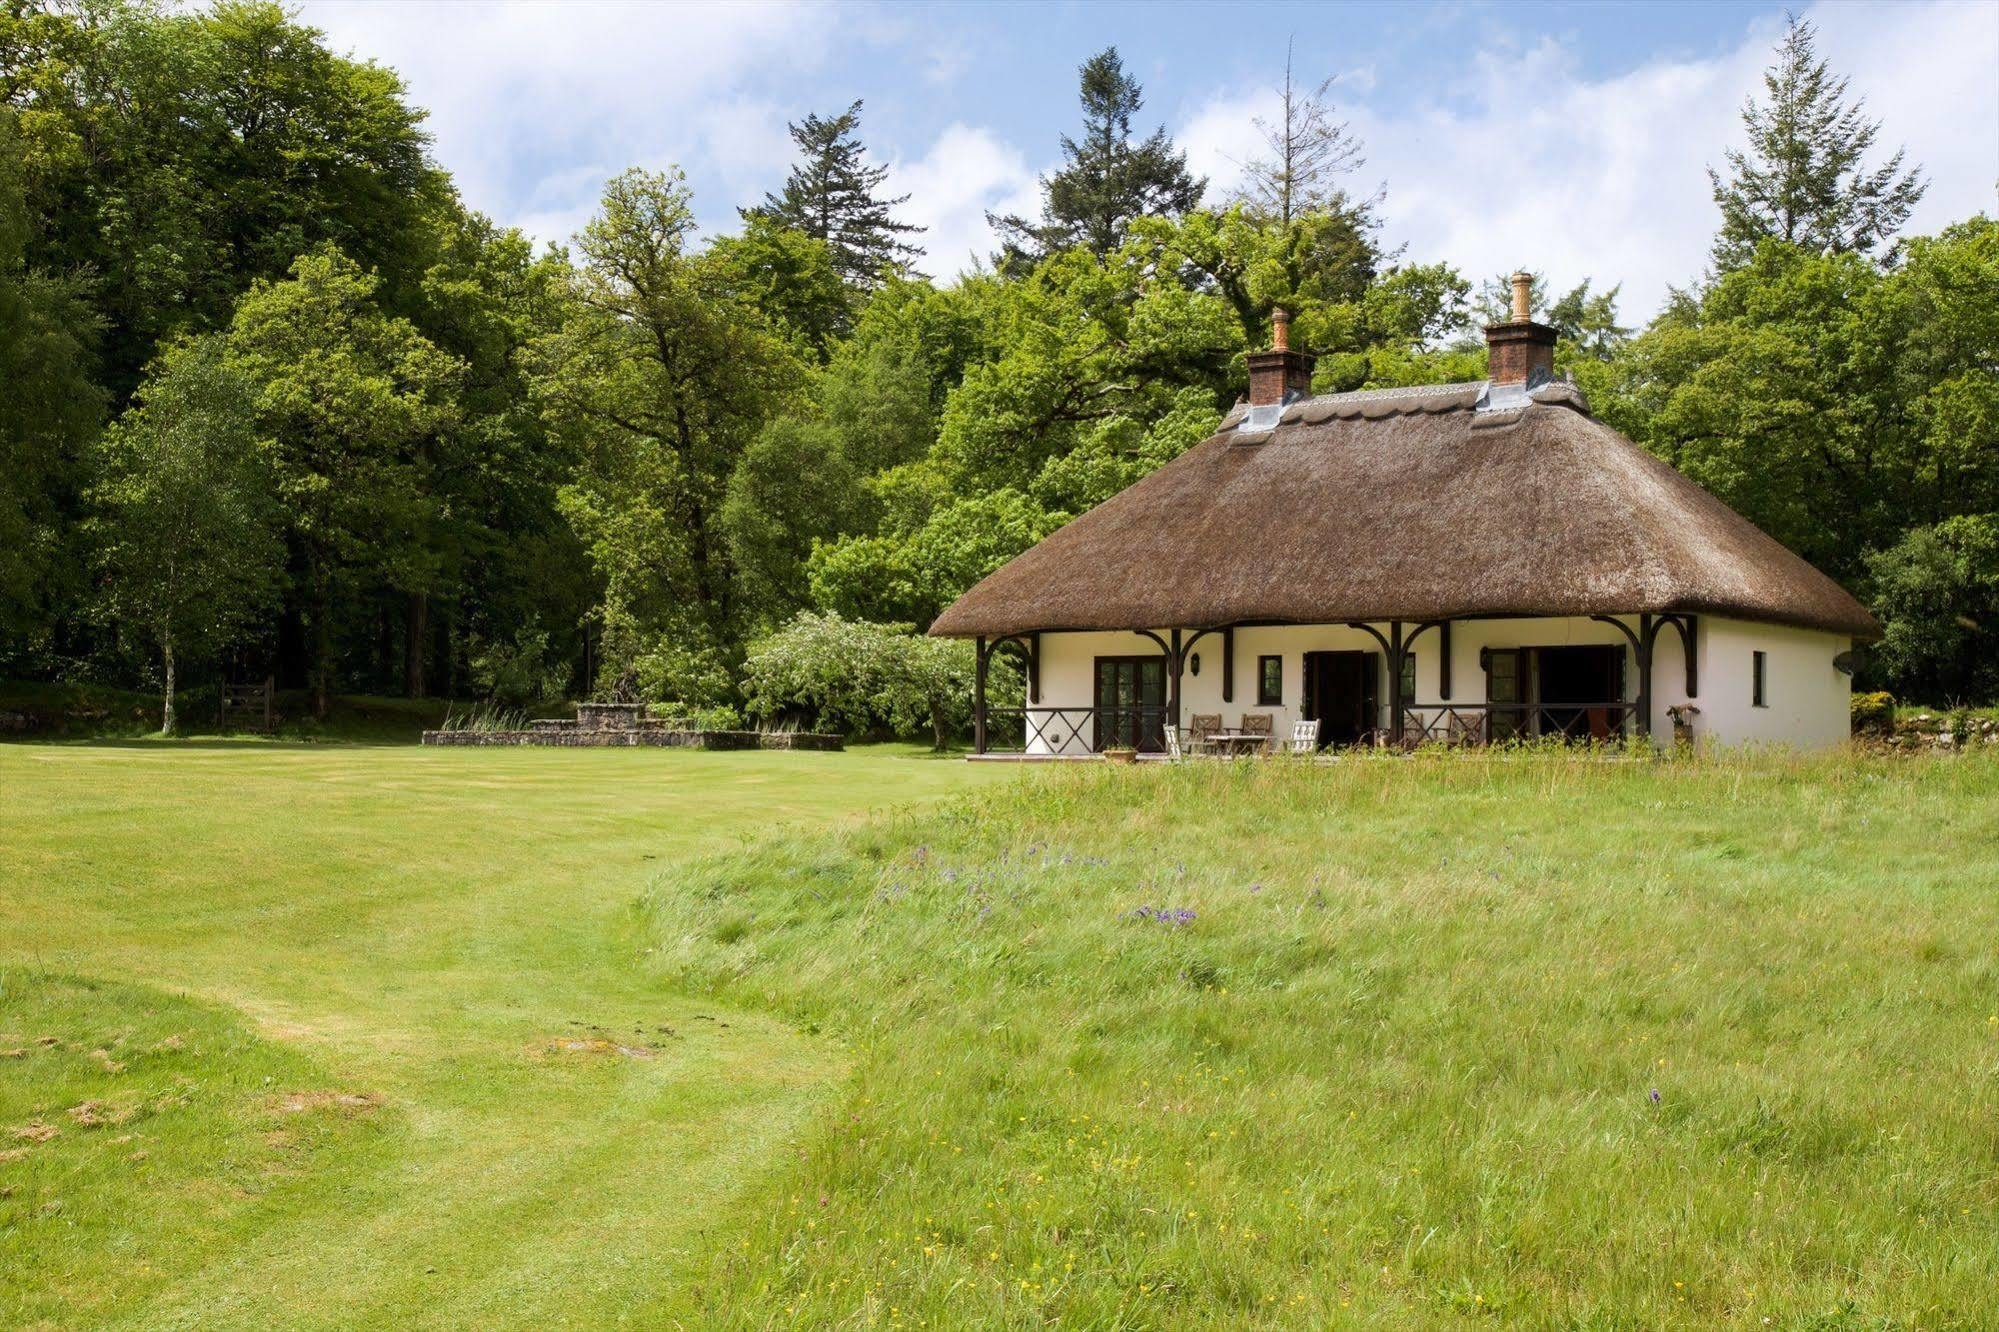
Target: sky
x=1569 y=138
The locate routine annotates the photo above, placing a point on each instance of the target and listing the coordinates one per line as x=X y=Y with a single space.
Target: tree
x=1107 y=179
x=1937 y=593
x=48 y=409
x=187 y=533
x=1305 y=153
x=504 y=576
x=351 y=403
x=178 y=154
x=1833 y=404
x=1804 y=179
x=832 y=196
x=791 y=278
x=659 y=377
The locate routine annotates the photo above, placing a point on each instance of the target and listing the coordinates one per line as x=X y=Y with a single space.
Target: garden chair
x=1465 y=728
x=1203 y=725
x=1257 y=723
x=1305 y=737
x=1173 y=742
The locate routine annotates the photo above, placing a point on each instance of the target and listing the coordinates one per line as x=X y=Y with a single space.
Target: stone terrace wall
x=601 y=737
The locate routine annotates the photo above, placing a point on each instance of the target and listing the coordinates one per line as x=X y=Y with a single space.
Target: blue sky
x=1568 y=137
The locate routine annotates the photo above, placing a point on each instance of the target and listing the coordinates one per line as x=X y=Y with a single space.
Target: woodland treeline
x=272 y=399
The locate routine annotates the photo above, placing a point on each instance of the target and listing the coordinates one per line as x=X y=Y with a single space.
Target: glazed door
x=1131 y=703
x=1342 y=694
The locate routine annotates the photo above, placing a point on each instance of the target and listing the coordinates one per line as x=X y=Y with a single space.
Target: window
x=1407 y=690
x=1758 y=674
x=1269 y=682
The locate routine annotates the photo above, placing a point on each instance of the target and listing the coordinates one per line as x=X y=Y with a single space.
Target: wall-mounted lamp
x=1194 y=664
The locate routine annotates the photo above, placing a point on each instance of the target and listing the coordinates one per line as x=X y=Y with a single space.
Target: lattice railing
x=1497 y=723
x=1074 y=731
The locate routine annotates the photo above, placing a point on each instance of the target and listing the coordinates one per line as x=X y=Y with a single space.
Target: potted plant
x=1121 y=755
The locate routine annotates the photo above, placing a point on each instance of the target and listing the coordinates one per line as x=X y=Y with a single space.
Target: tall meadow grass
x=1568 y=1041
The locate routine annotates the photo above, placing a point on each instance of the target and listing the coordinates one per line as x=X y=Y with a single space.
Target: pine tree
x=1108 y=180
x=1804 y=179
x=830 y=196
x=1306 y=151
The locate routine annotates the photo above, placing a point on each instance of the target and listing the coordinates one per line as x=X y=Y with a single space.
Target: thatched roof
x=1405 y=504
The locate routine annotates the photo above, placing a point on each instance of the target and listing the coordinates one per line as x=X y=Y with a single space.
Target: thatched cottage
x=1460 y=563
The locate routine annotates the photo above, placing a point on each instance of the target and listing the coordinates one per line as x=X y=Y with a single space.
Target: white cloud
x=1530 y=162
x=520 y=92
x=1522 y=158
x=966 y=173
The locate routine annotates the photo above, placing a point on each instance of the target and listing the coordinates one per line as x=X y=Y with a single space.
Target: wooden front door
x=1131 y=703
x=1342 y=694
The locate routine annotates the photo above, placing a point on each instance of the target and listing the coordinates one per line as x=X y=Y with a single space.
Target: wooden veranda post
x=979 y=696
x=1641 y=647
x=1395 y=655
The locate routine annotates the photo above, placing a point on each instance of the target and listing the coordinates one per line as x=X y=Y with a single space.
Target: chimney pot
x=1280 y=374
x=1520 y=351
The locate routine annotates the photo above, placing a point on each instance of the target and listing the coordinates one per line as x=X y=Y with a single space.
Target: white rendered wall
x=1808 y=700
x=1807 y=696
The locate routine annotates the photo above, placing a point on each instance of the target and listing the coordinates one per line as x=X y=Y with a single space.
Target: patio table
x=1235 y=744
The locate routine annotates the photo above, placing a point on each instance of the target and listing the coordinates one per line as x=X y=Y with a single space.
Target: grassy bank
x=1381 y=1044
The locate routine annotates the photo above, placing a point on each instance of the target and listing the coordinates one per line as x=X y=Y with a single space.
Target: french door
x=1131 y=703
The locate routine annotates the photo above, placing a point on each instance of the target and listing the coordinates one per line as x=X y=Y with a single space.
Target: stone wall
x=653 y=737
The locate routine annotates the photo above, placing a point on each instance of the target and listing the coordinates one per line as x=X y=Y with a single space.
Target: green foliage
x=912 y=576
x=51 y=407
x=693 y=717
x=790 y=277
x=1937 y=592
x=1107 y=180
x=851 y=676
x=520 y=671
x=833 y=196
x=660 y=376
x=187 y=526
x=1873 y=713
x=1833 y=403
x=353 y=404
x=180 y=154
x=1805 y=179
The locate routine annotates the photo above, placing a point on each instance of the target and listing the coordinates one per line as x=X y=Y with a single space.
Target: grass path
x=433 y=929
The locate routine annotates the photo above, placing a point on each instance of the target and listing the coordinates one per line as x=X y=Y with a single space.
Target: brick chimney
x=1280 y=374
x=1519 y=351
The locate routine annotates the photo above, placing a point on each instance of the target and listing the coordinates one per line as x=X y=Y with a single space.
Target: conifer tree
x=1108 y=179
x=831 y=196
x=1804 y=179
x=1305 y=152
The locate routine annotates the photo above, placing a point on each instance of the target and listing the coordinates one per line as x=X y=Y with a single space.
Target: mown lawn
x=335 y=1036
x=1554 y=1042
x=324 y=1036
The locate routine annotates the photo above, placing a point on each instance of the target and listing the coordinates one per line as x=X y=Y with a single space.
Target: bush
x=520 y=672
x=853 y=676
x=699 y=717
x=1873 y=714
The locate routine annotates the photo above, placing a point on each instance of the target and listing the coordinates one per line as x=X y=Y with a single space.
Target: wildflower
x=1655 y=1096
